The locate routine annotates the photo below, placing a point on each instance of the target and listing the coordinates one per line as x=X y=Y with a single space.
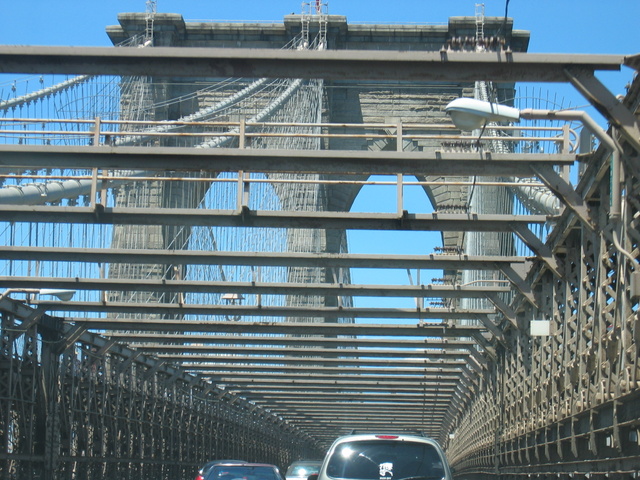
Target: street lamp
x=64 y=295
x=471 y=114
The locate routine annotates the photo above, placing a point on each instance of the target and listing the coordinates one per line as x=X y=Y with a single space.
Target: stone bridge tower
x=349 y=101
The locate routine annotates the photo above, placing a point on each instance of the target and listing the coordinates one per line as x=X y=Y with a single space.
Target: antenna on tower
x=318 y=10
x=479 y=26
x=151 y=13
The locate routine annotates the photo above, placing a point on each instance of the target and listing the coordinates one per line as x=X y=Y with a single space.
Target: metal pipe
x=600 y=133
x=615 y=211
x=570 y=115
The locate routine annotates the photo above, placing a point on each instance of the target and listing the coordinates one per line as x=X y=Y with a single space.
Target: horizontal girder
x=443 y=329
x=251 y=379
x=344 y=162
x=270 y=219
x=259 y=288
x=420 y=66
x=285 y=259
x=427 y=364
x=219 y=369
x=187 y=341
x=256 y=352
x=418 y=329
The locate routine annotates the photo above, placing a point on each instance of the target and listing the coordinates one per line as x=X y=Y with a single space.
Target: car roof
x=387 y=436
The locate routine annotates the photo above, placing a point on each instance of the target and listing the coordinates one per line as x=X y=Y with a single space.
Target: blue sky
x=581 y=26
x=556 y=26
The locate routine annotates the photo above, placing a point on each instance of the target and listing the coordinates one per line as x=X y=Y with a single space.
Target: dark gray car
x=244 y=471
x=209 y=465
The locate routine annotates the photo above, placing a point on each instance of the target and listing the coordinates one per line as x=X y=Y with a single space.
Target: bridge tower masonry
x=348 y=101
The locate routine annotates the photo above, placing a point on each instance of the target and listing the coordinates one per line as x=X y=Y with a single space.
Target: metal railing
x=44 y=131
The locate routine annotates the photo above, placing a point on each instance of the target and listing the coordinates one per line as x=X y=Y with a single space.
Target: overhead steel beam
x=427 y=365
x=432 y=329
x=308 y=409
x=329 y=387
x=365 y=419
x=344 y=162
x=383 y=404
x=254 y=353
x=137 y=339
x=258 y=288
x=312 y=356
x=413 y=66
x=251 y=311
x=324 y=409
x=259 y=387
x=269 y=219
x=251 y=354
x=371 y=397
x=215 y=370
x=300 y=379
x=284 y=259
x=282 y=328
x=343 y=410
x=542 y=251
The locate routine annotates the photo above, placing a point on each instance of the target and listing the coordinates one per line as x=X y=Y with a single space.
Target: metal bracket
x=71 y=337
x=503 y=308
x=517 y=279
x=567 y=195
x=608 y=105
x=127 y=363
x=491 y=327
x=29 y=321
x=543 y=252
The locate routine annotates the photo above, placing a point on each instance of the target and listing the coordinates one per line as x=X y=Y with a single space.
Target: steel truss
x=566 y=405
x=88 y=409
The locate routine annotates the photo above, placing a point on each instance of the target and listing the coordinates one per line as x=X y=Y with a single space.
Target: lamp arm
x=577 y=115
x=600 y=133
x=9 y=291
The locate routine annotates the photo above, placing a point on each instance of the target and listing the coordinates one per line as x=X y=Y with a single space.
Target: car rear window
x=241 y=472
x=302 y=470
x=385 y=460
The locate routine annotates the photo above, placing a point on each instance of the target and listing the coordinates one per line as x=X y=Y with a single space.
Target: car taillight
x=387 y=437
x=199 y=477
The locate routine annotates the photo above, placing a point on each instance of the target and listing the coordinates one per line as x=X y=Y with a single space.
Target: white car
x=384 y=457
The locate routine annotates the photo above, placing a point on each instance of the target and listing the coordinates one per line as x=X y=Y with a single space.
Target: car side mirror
x=313 y=476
